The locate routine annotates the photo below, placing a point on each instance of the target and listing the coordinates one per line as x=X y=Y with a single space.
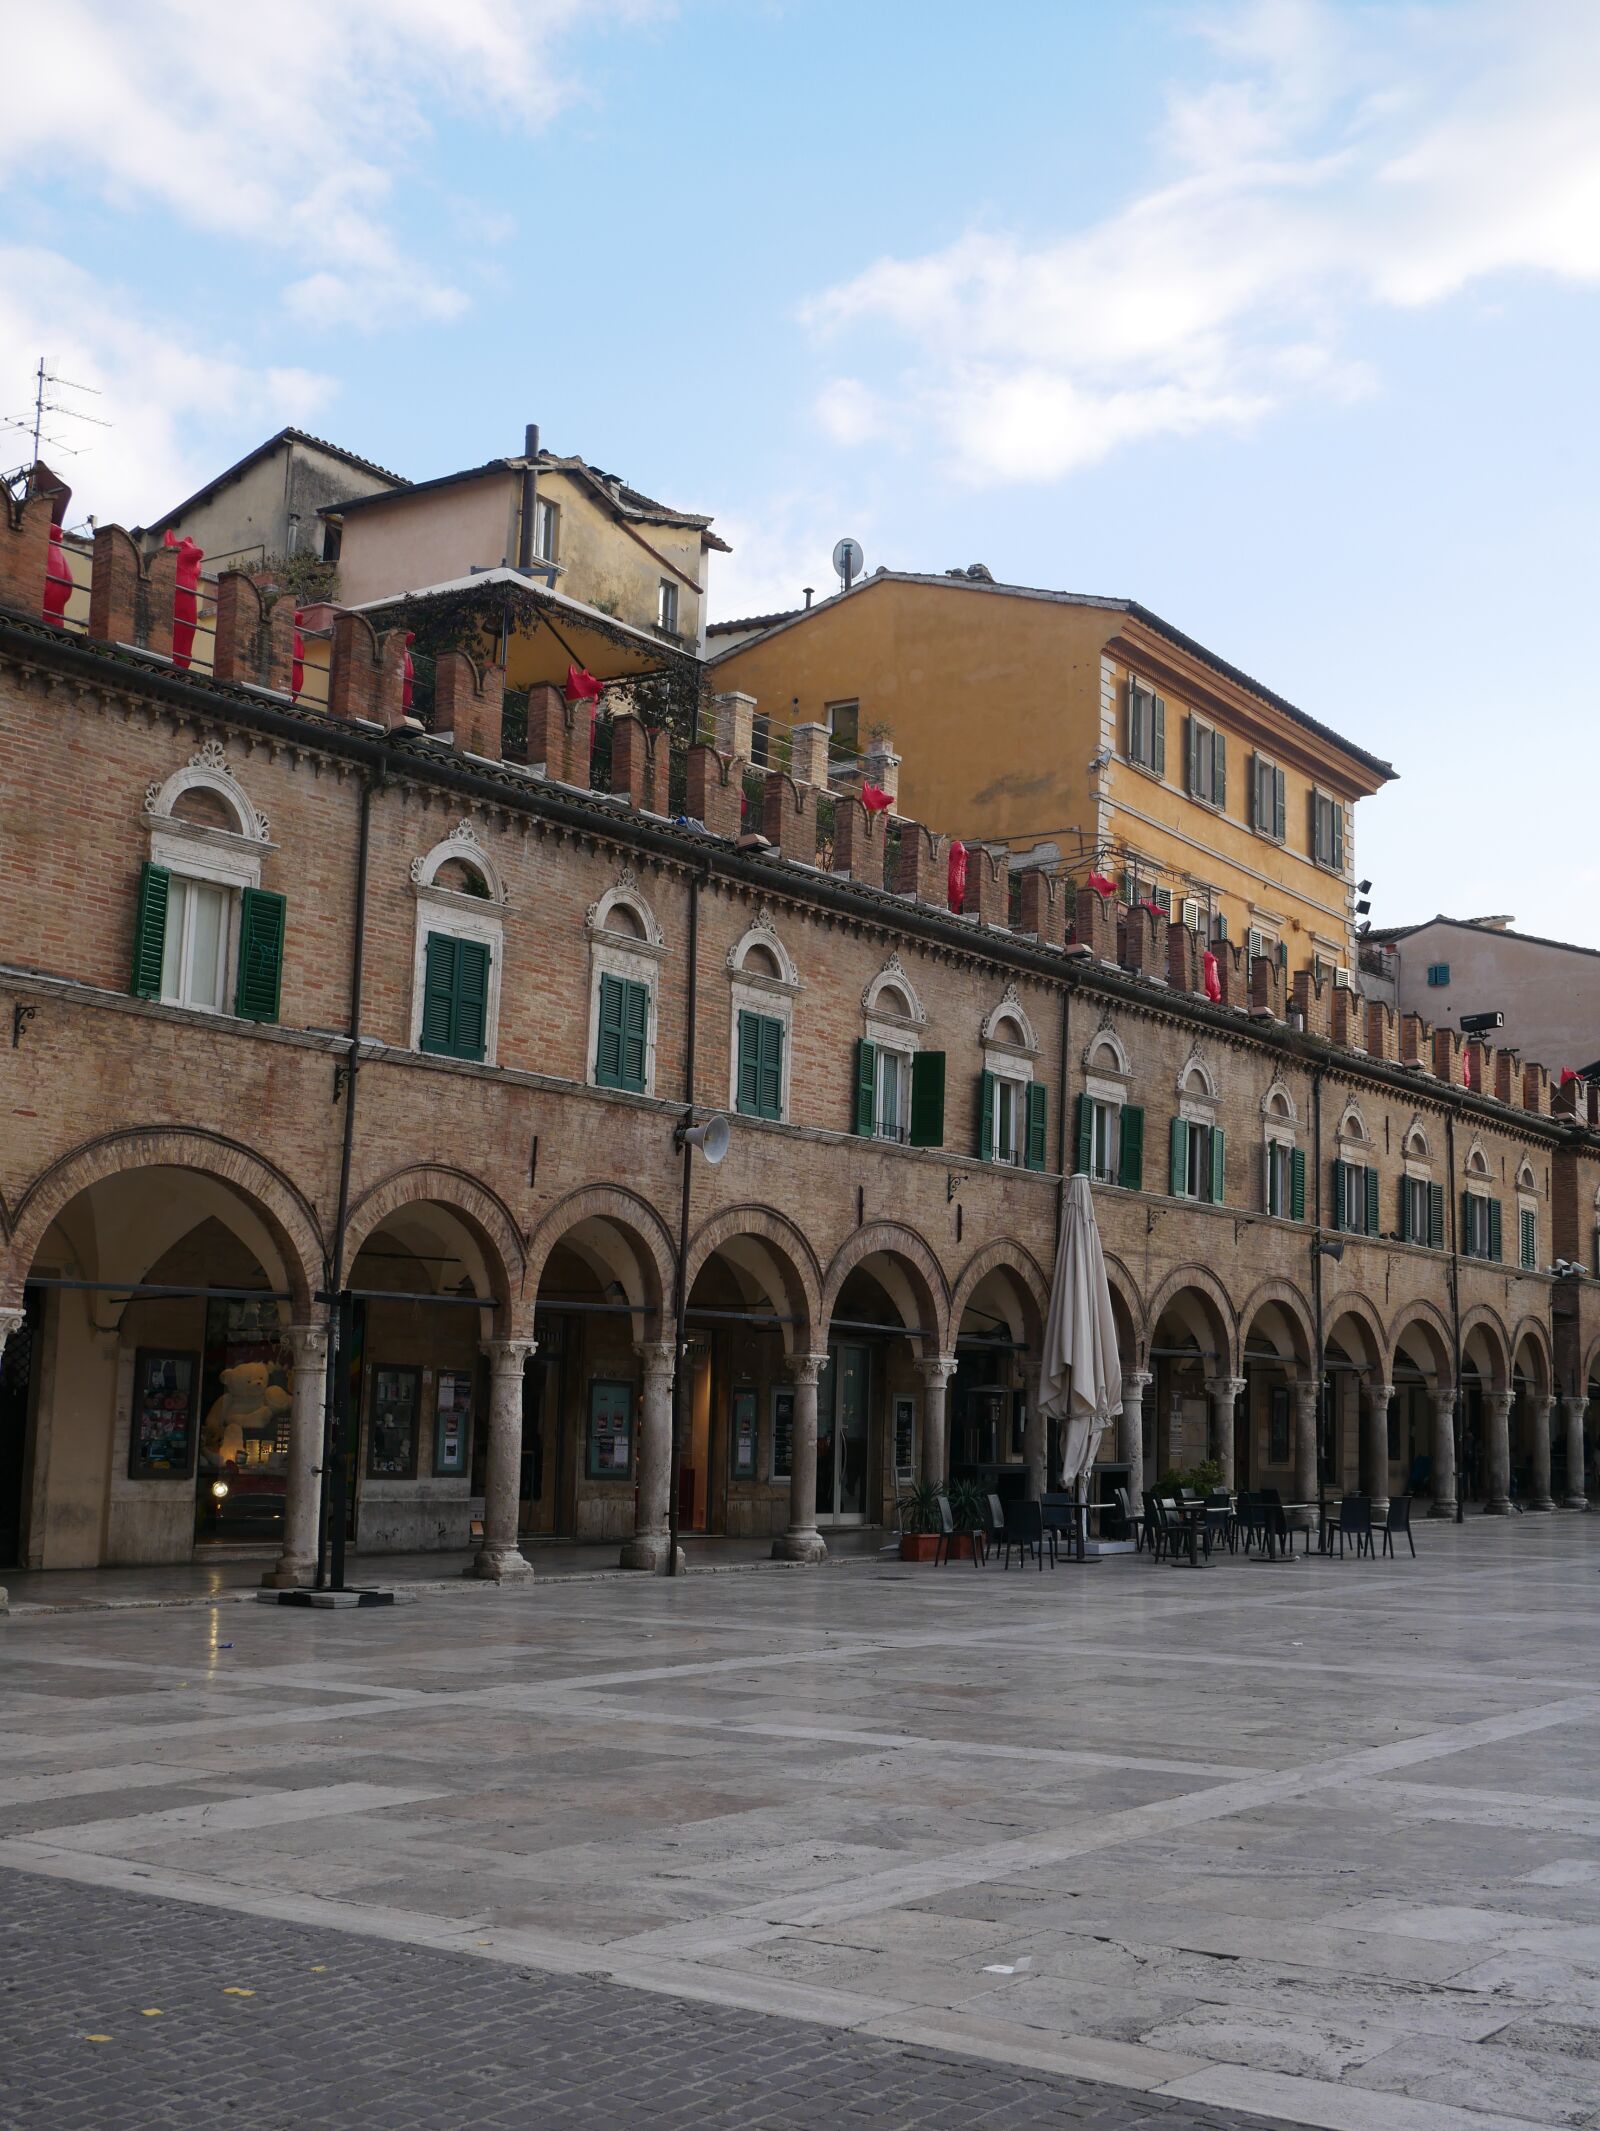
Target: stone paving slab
x=1322 y=1844
x=127 y=2014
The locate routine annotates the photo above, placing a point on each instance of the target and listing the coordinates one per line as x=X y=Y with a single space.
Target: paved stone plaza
x=1127 y=1844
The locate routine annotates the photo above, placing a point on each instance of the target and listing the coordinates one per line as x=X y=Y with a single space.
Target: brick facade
x=140 y=1125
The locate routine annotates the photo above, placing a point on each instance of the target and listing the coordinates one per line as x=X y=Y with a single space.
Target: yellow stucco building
x=1082 y=727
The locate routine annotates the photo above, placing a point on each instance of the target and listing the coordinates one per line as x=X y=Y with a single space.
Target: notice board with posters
x=610 y=1434
x=161 y=1434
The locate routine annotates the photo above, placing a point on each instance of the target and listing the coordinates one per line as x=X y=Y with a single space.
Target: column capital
x=507 y=1356
x=1135 y=1383
x=1444 y=1399
x=11 y=1320
x=310 y=1343
x=1499 y=1404
x=1305 y=1395
x=936 y=1370
x=1572 y=1403
x=1376 y=1394
x=1227 y=1387
x=805 y=1368
x=657 y=1357
x=1542 y=1406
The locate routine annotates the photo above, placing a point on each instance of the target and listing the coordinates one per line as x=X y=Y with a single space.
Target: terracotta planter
x=917 y=1546
x=961 y=1547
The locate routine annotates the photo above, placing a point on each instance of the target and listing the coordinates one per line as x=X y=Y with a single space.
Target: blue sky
x=1278 y=315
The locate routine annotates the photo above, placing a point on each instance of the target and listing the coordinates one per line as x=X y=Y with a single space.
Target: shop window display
x=246 y=1395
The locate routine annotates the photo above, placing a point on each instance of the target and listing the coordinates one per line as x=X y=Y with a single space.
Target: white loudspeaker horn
x=711 y=1138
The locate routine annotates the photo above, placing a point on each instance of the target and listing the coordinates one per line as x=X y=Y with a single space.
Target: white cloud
x=1340 y=160
x=171 y=402
x=286 y=127
x=780 y=550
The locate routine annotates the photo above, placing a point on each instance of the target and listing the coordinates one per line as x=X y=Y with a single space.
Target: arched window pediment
x=759 y=956
x=622 y=914
x=459 y=854
x=1008 y=1024
x=207 y=770
x=891 y=996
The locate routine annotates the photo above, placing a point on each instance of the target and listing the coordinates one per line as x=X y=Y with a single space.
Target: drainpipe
x=530 y=489
x=1455 y=1307
x=1320 y=1357
x=1062 y=1114
x=332 y=1510
x=680 y=1334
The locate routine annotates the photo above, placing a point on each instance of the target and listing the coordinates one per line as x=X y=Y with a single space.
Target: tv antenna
x=46 y=382
x=848 y=560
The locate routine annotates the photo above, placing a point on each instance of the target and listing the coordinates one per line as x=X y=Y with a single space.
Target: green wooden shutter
x=749 y=1077
x=1338 y=1220
x=1436 y=1216
x=1178 y=1158
x=1259 y=812
x=1279 y=797
x=439 y=993
x=1494 y=1230
x=1038 y=1106
x=472 y=998
x=770 y=1090
x=1219 y=770
x=1338 y=837
x=1159 y=715
x=1297 y=1184
x=150 y=931
x=1466 y=1226
x=986 y=1100
x=1136 y=749
x=1084 y=1134
x=635 y=1035
x=866 y=1086
x=1403 y=1230
x=1372 y=1202
x=608 y=1040
x=261 y=921
x=1130 y=1152
x=1219 y=1166
x=927 y=1099
x=1191 y=756
x=1529 y=1225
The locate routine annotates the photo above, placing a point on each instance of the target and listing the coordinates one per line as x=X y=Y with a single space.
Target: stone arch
x=1009 y=1009
x=209 y=770
x=1415 y=1145
x=486 y=1216
x=1352 y=1125
x=1106 y=1039
x=1354 y=1308
x=1292 y=1306
x=1216 y=1309
x=638 y=1227
x=1526 y=1180
x=1485 y=1324
x=1277 y=1105
x=1197 y=1078
x=625 y=894
x=1534 y=1336
x=1128 y=1308
x=926 y=1283
x=461 y=847
x=895 y=979
x=1434 y=1327
x=1476 y=1164
x=763 y=934
x=777 y=1254
x=1004 y=1254
x=1591 y=1369
x=287 y=1214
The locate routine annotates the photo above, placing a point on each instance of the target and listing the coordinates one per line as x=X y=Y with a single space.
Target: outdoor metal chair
x=1024 y=1530
x=997 y=1524
x=1398 y=1520
x=1355 y=1524
x=949 y=1531
x=1157 y=1531
x=1132 y=1519
x=1220 y=1524
x=1062 y=1515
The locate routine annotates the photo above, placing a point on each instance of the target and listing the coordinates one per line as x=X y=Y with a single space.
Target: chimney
x=530 y=490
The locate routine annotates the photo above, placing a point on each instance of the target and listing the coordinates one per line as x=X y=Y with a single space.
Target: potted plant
x=969 y=1511
x=919 y=1524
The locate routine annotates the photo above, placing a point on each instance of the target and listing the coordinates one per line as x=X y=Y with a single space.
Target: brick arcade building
x=302 y=997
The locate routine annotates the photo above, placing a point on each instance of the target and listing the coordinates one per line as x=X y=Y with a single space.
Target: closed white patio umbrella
x=1081 y=1381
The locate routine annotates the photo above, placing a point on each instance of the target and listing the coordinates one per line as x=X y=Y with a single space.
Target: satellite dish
x=848 y=560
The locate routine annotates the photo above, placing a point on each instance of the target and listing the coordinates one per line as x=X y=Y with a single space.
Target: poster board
x=161 y=1430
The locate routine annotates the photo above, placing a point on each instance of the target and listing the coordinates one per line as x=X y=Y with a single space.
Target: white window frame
x=1141 y=724
x=229 y=859
x=1473 y=1243
x=636 y=960
x=456 y=915
x=667 y=606
x=1279 y=1138
x=546 y=529
x=1268 y=828
x=1204 y=731
x=1319 y=800
x=1011 y=1060
x=1198 y=1109
x=1105 y=1137
x=752 y=991
x=896 y=1036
